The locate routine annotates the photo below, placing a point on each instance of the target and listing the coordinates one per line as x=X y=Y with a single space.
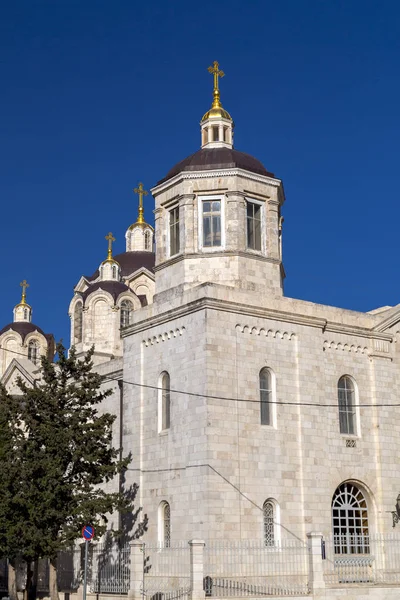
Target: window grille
x=351 y=444
x=253 y=226
x=269 y=523
x=265 y=396
x=211 y=223
x=350 y=520
x=174 y=231
x=346 y=405
x=166 y=514
x=166 y=402
x=33 y=351
x=78 y=322
x=126 y=312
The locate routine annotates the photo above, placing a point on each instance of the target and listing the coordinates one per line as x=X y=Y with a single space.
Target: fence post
x=197 y=569
x=316 y=580
x=136 y=570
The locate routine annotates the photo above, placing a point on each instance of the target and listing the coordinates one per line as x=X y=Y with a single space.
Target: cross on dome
x=141 y=192
x=24 y=284
x=109 y=237
x=216 y=124
x=214 y=70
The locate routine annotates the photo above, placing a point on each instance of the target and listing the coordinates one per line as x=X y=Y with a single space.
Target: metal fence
x=109 y=568
x=367 y=559
x=166 y=571
x=249 y=568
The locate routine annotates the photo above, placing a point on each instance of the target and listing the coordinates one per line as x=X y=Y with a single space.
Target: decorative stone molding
x=346 y=347
x=212 y=174
x=271 y=333
x=163 y=337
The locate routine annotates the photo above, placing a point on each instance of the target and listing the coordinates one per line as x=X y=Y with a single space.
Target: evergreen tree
x=58 y=456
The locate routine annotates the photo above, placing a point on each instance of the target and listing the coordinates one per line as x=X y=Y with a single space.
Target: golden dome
x=217 y=112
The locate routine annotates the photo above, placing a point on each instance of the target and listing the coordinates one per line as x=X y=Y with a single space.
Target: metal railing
x=249 y=568
x=362 y=559
x=110 y=568
x=166 y=571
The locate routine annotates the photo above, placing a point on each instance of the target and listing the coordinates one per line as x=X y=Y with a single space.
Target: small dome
x=217 y=113
x=212 y=159
x=130 y=262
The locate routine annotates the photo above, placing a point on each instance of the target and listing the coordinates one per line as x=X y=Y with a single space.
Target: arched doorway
x=350 y=520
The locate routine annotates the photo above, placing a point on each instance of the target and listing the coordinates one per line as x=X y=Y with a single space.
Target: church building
x=249 y=415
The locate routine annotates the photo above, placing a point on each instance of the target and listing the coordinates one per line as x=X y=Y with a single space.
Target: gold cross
x=110 y=240
x=216 y=72
x=24 y=284
x=142 y=192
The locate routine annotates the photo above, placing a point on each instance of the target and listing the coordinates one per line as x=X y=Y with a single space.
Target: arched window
x=26 y=314
x=33 y=351
x=350 y=520
x=78 y=315
x=265 y=397
x=347 y=415
x=165 y=403
x=126 y=312
x=164 y=524
x=269 y=523
x=114 y=272
x=147 y=240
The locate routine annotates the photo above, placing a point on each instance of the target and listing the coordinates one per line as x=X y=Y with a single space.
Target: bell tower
x=218 y=215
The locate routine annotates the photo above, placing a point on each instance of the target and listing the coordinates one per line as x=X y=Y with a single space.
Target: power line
x=227 y=398
x=279 y=402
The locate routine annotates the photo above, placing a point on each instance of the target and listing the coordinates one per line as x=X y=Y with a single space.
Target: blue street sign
x=88 y=532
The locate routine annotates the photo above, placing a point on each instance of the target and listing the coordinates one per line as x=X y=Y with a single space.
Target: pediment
x=390 y=319
x=142 y=271
x=23 y=369
x=83 y=285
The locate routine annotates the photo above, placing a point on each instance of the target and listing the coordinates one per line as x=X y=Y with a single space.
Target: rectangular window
x=253 y=226
x=346 y=414
x=211 y=223
x=174 y=231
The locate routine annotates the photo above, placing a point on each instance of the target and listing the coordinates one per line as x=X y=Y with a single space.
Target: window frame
x=164 y=401
x=123 y=309
x=351 y=519
x=164 y=537
x=260 y=203
x=78 y=306
x=170 y=210
x=212 y=198
x=272 y=401
x=276 y=519
x=355 y=402
x=34 y=344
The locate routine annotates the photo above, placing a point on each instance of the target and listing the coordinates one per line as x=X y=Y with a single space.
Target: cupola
x=22 y=311
x=110 y=269
x=139 y=236
x=217 y=124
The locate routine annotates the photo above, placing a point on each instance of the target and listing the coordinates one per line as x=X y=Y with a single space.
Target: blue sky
x=97 y=96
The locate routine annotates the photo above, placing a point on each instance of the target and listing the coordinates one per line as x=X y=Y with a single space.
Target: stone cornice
x=187 y=175
x=253 y=311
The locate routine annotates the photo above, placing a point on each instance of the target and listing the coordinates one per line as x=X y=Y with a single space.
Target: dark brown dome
x=218 y=158
x=131 y=262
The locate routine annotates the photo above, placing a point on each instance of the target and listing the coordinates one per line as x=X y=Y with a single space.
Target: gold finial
x=24 y=284
x=214 y=70
x=110 y=240
x=142 y=192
